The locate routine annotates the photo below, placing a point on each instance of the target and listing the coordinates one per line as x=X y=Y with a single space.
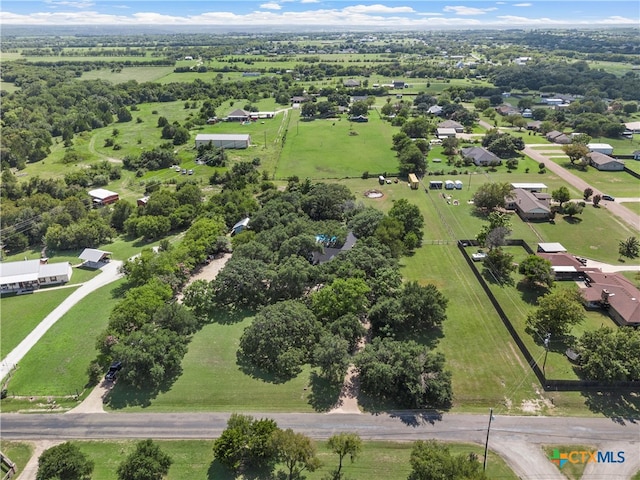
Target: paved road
x=627 y=216
x=110 y=273
x=516 y=438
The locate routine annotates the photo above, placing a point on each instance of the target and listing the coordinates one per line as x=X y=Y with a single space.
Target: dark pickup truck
x=113 y=371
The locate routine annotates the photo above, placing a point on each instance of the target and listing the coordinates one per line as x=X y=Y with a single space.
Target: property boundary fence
x=632 y=173
x=547 y=384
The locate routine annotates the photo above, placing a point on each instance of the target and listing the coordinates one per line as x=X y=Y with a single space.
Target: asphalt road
x=630 y=218
x=516 y=438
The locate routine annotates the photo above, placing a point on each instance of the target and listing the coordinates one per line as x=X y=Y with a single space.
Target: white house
x=101 y=196
x=446 y=132
x=223 y=140
x=29 y=275
x=600 y=147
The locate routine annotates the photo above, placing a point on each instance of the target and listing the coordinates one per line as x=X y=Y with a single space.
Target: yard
x=336 y=148
x=194 y=459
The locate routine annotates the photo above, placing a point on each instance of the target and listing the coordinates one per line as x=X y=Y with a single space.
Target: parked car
x=478 y=257
x=113 y=371
x=183 y=171
x=190 y=172
x=608 y=197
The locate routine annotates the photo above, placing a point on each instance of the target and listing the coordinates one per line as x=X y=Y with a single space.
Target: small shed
x=600 y=147
x=413 y=181
x=446 y=132
x=240 y=226
x=458 y=184
x=551 y=247
x=436 y=184
x=449 y=185
x=94 y=258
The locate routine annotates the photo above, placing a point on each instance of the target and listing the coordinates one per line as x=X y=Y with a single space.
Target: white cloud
x=70 y=3
x=270 y=6
x=377 y=8
x=462 y=10
x=309 y=1
x=522 y=4
x=371 y=16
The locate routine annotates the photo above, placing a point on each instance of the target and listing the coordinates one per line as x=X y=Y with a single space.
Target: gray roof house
x=601 y=161
x=558 y=137
x=529 y=205
x=238 y=115
x=29 y=275
x=481 y=156
x=459 y=128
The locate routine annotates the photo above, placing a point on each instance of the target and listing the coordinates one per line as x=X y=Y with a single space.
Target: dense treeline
x=574 y=78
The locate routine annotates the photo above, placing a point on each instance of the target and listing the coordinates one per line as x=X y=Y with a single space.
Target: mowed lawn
x=18 y=452
x=139 y=74
x=194 y=459
x=336 y=148
x=212 y=379
x=22 y=313
x=57 y=364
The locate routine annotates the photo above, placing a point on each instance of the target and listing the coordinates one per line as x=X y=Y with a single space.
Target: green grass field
x=139 y=74
x=57 y=364
x=194 y=459
x=329 y=149
x=212 y=380
x=633 y=206
x=21 y=314
x=18 y=452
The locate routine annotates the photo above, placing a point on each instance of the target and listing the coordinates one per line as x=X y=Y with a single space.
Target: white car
x=478 y=257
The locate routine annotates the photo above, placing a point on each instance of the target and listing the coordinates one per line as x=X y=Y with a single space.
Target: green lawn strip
x=337 y=148
x=633 y=165
x=636 y=476
x=57 y=364
x=22 y=313
x=212 y=380
x=18 y=452
x=488 y=370
x=618 y=184
x=573 y=471
x=140 y=74
x=194 y=459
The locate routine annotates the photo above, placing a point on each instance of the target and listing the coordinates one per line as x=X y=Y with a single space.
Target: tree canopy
x=610 y=354
x=491 y=195
x=558 y=311
x=147 y=462
x=431 y=460
x=64 y=461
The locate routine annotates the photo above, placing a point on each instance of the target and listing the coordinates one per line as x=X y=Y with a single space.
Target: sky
x=418 y=14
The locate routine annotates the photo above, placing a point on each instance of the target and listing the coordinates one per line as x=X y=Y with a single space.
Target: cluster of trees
x=54 y=211
x=313 y=314
x=610 y=355
x=411 y=154
x=504 y=145
x=66 y=461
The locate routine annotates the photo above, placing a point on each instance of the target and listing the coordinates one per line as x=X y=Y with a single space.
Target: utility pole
x=486 y=443
x=547 y=338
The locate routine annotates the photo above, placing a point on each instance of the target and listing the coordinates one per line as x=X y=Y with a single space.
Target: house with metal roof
x=101 y=196
x=223 y=140
x=600 y=161
x=29 y=275
x=94 y=258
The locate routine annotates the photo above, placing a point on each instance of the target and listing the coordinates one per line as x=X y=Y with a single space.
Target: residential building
x=458 y=127
x=351 y=83
x=558 y=137
x=615 y=293
x=529 y=205
x=238 y=115
x=601 y=161
x=445 y=132
x=29 y=275
x=481 y=156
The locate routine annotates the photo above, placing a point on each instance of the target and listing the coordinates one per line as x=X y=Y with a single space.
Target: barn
x=100 y=196
x=224 y=140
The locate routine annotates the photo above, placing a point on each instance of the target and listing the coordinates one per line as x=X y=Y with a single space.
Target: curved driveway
x=516 y=438
x=110 y=273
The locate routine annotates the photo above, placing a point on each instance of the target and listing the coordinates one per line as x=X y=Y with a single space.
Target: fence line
x=547 y=384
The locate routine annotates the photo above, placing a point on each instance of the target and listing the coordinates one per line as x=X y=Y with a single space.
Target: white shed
x=223 y=140
x=600 y=148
